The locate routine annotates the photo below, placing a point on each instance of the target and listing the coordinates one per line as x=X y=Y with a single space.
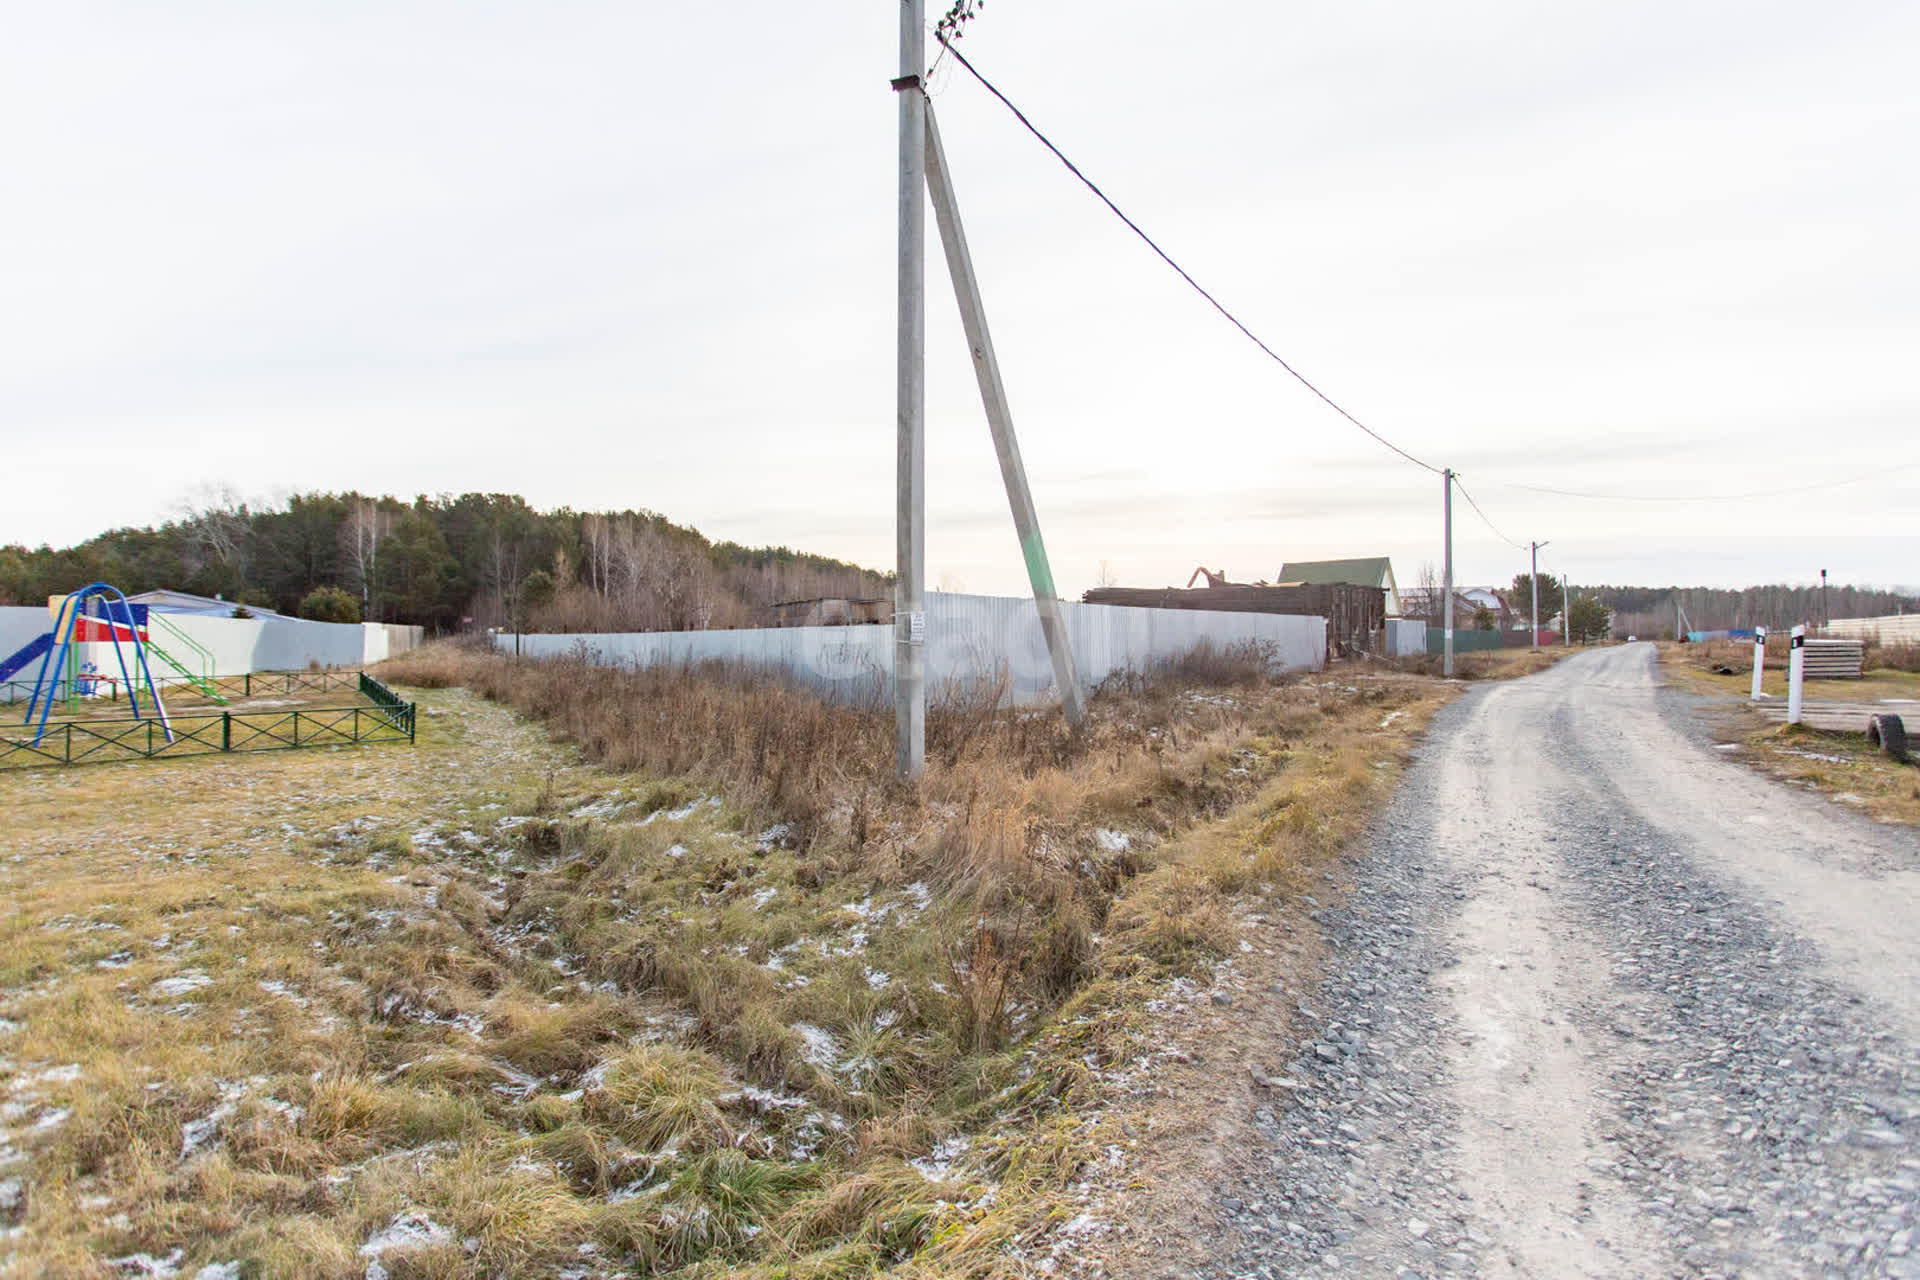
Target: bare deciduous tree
x=361 y=533
x=219 y=529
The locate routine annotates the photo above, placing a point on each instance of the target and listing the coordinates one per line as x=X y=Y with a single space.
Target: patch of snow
x=276 y=988
x=921 y=895
x=145 y=1264
x=1113 y=841
x=821 y=1049
x=775 y=835
x=677 y=851
x=181 y=983
x=763 y=1100
x=762 y=897
x=219 y=1271
x=938 y=1165
x=877 y=979
x=408 y=1230
x=49 y=1075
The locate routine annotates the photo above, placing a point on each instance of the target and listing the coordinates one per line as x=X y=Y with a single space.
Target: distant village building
x=167 y=600
x=1422 y=603
x=1374 y=571
x=830 y=611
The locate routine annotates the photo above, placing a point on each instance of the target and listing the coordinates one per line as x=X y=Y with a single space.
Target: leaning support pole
x=910 y=526
x=993 y=393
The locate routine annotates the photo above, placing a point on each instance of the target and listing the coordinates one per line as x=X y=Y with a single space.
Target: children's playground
x=111 y=679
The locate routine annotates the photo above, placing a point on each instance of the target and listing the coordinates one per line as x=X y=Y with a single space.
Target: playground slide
x=30 y=652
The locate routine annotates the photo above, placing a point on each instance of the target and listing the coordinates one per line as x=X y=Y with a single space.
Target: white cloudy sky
x=641 y=254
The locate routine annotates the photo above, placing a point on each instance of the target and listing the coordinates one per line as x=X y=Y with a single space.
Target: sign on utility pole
x=910 y=519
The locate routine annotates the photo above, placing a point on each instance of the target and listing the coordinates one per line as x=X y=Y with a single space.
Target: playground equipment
x=95 y=614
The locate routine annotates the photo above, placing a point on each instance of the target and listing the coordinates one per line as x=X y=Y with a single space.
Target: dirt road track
x=1601 y=1003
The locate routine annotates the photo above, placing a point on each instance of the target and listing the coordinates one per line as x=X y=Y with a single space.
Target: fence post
x=69 y=742
x=1759 y=658
x=1796 y=673
x=296 y=728
x=412 y=710
x=149 y=739
x=226 y=730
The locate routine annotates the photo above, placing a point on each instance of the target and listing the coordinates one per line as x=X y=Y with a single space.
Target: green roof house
x=1376 y=571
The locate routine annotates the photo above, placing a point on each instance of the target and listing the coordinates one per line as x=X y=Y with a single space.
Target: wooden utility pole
x=1566 y=614
x=1446 y=586
x=910 y=519
x=993 y=394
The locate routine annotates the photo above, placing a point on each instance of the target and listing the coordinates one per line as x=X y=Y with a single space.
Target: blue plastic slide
x=31 y=652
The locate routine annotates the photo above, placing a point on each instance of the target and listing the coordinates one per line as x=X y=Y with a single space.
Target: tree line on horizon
x=1650 y=611
x=443 y=562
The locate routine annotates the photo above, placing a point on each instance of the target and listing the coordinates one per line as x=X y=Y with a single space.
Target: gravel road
x=1600 y=1003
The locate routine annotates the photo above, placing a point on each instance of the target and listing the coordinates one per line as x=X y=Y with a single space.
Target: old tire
x=1889 y=733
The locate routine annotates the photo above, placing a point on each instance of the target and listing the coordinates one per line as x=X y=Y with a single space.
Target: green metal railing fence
x=99 y=741
x=255 y=684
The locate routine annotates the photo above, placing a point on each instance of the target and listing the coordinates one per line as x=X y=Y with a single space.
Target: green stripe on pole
x=1038 y=572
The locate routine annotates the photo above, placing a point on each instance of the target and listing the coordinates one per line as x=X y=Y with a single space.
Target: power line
x=947 y=46
x=1517 y=546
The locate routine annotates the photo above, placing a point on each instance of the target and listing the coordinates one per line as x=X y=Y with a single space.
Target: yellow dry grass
x=1841 y=765
x=484 y=1007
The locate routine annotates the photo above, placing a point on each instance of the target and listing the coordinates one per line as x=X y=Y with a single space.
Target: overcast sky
x=640 y=254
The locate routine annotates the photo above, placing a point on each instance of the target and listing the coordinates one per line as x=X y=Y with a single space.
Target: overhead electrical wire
x=1517 y=546
x=947 y=46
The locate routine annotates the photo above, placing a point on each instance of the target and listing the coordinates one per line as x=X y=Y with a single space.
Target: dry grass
x=1841 y=765
x=700 y=998
x=1726 y=668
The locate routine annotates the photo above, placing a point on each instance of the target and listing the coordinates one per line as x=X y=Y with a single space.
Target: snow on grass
x=820 y=1048
x=407 y=1231
x=180 y=984
x=1112 y=841
x=938 y=1165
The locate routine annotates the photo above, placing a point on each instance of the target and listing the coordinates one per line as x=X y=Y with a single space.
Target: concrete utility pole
x=1446 y=585
x=1533 y=582
x=993 y=394
x=910 y=521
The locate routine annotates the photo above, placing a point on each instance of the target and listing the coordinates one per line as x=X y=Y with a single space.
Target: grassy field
x=611 y=974
x=1841 y=765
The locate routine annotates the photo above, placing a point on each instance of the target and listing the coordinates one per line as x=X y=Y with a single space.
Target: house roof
x=167 y=600
x=1374 y=571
